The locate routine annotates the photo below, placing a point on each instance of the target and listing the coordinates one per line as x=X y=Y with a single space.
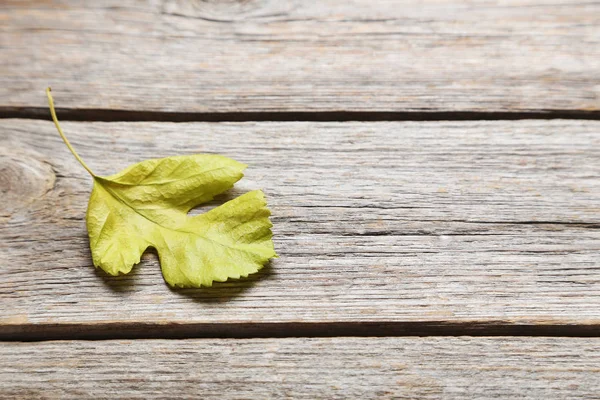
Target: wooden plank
x=272 y=56
x=424 y=368
x=404 y=222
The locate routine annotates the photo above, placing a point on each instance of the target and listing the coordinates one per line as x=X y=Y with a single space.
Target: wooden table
x=433 y=169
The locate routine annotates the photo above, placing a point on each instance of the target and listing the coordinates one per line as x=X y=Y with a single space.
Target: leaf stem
x=62 y=135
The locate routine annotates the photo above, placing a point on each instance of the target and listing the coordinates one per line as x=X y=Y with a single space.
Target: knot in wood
x=220 y=10
x=24 y=178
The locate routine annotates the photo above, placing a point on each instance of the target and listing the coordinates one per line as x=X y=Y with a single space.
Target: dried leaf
x=146 y=205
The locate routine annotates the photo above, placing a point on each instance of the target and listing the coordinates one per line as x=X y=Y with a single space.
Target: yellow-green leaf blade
x=146 y=206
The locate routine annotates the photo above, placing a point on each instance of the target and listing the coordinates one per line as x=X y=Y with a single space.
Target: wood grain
x=293 y=56
x=333 y=368
x=445 y=222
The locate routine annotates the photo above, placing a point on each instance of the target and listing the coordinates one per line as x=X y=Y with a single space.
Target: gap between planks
x=104 y=115
x=141 y=330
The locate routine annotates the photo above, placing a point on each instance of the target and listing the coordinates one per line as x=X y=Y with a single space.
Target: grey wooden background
x=433 y=169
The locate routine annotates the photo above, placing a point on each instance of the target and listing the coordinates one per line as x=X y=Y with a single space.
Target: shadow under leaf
x=119 y=283
x=221 y=292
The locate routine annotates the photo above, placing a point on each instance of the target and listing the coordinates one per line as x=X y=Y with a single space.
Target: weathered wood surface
x=403 y=221
x=333 y=55
x=366 y=368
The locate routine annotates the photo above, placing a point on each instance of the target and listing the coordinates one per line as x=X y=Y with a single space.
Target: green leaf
x=146 y=205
